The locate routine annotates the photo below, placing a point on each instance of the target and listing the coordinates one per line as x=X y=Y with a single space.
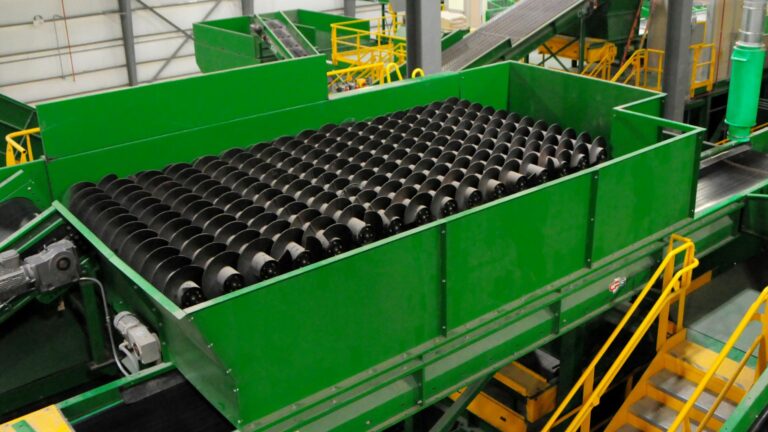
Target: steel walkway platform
x=730 y=176
x=522 y=25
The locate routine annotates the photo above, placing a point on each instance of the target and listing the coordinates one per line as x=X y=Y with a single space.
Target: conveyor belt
x=730 y=176
x=516 y=26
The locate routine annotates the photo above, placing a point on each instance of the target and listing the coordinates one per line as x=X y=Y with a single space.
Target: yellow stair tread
x=702 y=358
x=656 y=413
x=682 y=389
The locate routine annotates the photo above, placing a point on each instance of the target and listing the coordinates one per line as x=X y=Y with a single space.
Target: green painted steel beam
x=94 y=401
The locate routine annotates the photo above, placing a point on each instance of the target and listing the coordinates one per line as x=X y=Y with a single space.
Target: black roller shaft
x=200 y=230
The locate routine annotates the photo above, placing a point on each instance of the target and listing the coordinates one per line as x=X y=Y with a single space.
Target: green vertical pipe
x=747 y=63
x=744 y=92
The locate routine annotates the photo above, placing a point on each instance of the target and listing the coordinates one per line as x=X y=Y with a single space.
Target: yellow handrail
x=753 y=314
x=601 y=68
x=675 y=287
x=708 y=65
x=15 y=153
x=641 y=71
x=378 y=43
x=388 y=72
x=418 y=72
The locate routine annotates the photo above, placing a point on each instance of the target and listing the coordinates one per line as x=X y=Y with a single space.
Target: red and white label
x=616 y=284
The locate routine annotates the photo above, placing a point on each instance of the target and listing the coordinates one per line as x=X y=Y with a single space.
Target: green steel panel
x=489 y=263
x=108 y=119
x=657 y=180
x=750 y=408
x=474 y=85
x=372 y=335
x=219 y=48
x=188 y=144
x=29 y=180
x=633 y=131
x=15 y=115
x=344 y=305
x=569 y=99
x=760 y=141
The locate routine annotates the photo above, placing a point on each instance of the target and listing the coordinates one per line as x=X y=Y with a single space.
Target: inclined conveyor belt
x=730 y=176
x=516 y=26
x=286 y=38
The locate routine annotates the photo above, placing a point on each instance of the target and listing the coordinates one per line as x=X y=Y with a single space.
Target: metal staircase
x=671 y=380
x=687 y=386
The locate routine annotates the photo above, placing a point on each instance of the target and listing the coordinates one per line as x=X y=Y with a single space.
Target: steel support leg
x=422 y=21
x=676 y=79
x=247 y=7
x=571 y=351
x=126 y=22
x=349 y=8
x=459 y=405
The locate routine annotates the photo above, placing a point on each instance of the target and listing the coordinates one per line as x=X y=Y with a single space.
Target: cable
x=108 y=322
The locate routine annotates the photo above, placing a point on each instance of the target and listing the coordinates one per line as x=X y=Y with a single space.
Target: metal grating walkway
x=516 y=25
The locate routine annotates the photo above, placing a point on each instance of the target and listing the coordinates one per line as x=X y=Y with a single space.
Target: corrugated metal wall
x=44 y=56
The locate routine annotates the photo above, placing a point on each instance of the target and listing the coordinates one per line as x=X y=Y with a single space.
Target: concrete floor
x=714 y=311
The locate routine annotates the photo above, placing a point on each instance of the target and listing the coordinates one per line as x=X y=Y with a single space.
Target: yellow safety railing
x=393 y=67
x=644 y=68
x=703 y=61
x=600 y=66
x=675 y=286
x=15 y=153
x=377 y=43
x=356 y=76
x=760 y=344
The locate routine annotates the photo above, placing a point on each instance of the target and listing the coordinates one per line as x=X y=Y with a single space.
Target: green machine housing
x=368 y=338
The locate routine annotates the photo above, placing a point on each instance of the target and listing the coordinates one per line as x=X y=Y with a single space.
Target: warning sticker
x=616 y=284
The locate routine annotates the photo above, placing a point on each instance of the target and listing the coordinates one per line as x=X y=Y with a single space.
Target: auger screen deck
x=198 y=231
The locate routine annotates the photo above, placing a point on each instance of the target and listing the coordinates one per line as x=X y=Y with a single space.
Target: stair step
x=657 y=413
x=682 y=389
x=702 y=358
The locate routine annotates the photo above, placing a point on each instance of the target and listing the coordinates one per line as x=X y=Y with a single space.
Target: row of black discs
x=199 y=230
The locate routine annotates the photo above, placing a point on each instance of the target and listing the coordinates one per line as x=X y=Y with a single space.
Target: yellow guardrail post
x=13 y=148
x=390 y=68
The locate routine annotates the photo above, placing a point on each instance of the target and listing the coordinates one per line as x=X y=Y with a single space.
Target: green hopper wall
x=398 y=324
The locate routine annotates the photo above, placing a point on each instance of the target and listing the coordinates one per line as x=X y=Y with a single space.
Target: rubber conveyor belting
x=730 y=176
x=286 y=38
x=515 y=25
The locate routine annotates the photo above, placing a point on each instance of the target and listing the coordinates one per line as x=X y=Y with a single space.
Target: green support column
x=571 y=351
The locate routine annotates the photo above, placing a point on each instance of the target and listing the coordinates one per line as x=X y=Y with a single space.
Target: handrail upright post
x=762 y=349
x=589 y=385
